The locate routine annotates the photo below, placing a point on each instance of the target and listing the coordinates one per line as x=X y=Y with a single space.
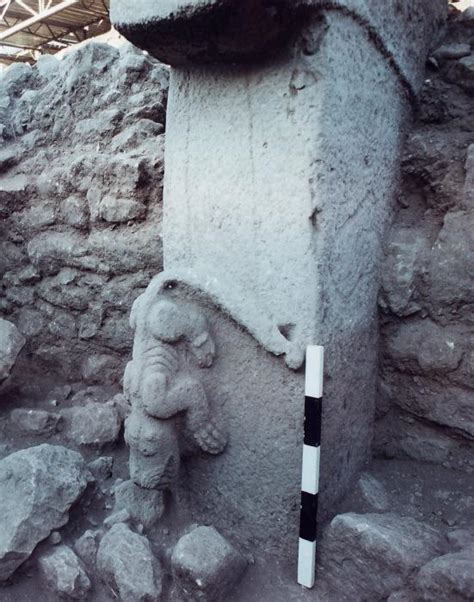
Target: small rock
x=144 y=505
x=55 y=538
x=86 y=547
x=99 y=368
x=205 y=565
x=38 y=485
x=116 y=210
x=452 y=51
x=120 y=402
x=122 y=516
x=101 y=468
x=92 y=424
x=449 y=578
x=11 y=343
x=126 y=563
x=35 y=422
x=64 y=575
x=373 y=554
x=373 y=493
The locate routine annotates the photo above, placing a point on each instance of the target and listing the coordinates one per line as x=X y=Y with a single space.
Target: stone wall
x=426 y=398
x=81 y=166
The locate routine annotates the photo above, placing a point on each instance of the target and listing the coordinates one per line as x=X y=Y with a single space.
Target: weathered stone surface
x=62 y=571
x=374 y=554
x=234 y=122
x=461 y=539
x=86 y=128
x=92 y=424
x=449 y=578
x=426 y=397
x=373 y=493
x=86 y=547
x=205 y=565
x=126 y=563
x=11 y=343
x=116 y=210
x=225 y=31
x=144 y=505
x=101 y=468
x=38 y=485
x=35 y=422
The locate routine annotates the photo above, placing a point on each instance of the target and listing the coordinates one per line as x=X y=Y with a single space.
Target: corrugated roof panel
x=50 y=28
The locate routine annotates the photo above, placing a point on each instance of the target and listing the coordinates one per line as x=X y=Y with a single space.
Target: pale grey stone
x=75 y=211
x=35 y=422
x=86 y=547
x=39 y=485
x=126 y=563
x=449 y=578
x=11 y=343
x=91 y=321
x=50 y=251
x=373 y=493
x=101 y=468
x=374 y=554
x=30 y=322
x=144 y=505
x=64 y=574
x=206 y=566
x=119 y=517
x=92 y=424
x=99 y=369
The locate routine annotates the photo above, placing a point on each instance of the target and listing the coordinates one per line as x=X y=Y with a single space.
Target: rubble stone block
x=205 y=565
x=11 y=343
x=39 y=485
x=374 y=554
x=64 y=574
x=35 y=422
x=92 y=424
x=144 y=505
x=126 y=563
x=449 y=578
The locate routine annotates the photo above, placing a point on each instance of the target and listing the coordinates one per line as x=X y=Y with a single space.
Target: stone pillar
x=284 y=127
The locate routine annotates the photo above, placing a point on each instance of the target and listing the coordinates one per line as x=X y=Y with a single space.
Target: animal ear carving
x=136 y=308
x=160 y=387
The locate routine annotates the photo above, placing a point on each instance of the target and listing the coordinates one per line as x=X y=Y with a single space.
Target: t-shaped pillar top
x=202 y=31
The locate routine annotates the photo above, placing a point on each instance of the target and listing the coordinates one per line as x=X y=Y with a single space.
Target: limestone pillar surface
x=284 y=126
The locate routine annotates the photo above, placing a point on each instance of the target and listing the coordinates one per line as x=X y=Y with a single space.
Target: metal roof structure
x=46 y=26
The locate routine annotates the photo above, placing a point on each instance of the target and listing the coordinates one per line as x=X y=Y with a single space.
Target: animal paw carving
x=210 y=439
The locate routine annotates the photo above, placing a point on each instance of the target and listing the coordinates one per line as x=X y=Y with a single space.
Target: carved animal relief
x=170 y=408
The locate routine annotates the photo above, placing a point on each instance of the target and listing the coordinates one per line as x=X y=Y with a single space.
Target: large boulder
x=126 y=563
x=374 y=554
x=449 y=578
x=11 y=343
x=38 y=487
x=206 y=566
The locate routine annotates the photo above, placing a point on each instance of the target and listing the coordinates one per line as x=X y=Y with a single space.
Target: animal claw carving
x=210 y=439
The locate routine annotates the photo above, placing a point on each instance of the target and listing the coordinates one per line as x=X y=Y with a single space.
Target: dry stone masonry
x=81 y=165
x=426 y=395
